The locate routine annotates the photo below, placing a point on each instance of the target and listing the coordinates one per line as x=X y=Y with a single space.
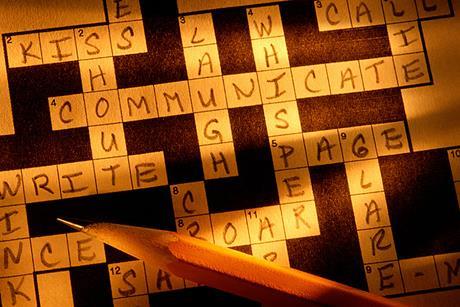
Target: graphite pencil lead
x=70 y=224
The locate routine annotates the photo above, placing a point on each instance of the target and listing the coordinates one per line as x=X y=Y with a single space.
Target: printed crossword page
x=319 y=135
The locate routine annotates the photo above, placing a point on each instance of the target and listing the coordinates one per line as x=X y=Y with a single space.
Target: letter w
x=7 y=188
x=264 y=28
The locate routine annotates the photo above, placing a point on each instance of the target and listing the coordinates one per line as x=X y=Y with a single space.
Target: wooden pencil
x=227 y=269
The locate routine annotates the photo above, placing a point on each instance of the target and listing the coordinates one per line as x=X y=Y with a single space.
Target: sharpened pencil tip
x=70 y=224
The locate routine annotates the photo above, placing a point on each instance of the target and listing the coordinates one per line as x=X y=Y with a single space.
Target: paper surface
x=432 y=112
x=320 y=135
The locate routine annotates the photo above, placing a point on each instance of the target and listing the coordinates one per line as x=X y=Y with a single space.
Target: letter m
x=451 y=272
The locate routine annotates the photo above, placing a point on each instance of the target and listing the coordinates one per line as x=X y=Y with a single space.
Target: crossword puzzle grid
x=225 y=144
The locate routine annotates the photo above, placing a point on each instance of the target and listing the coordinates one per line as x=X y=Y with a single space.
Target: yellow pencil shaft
x=248 y=276
x=230 y=270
